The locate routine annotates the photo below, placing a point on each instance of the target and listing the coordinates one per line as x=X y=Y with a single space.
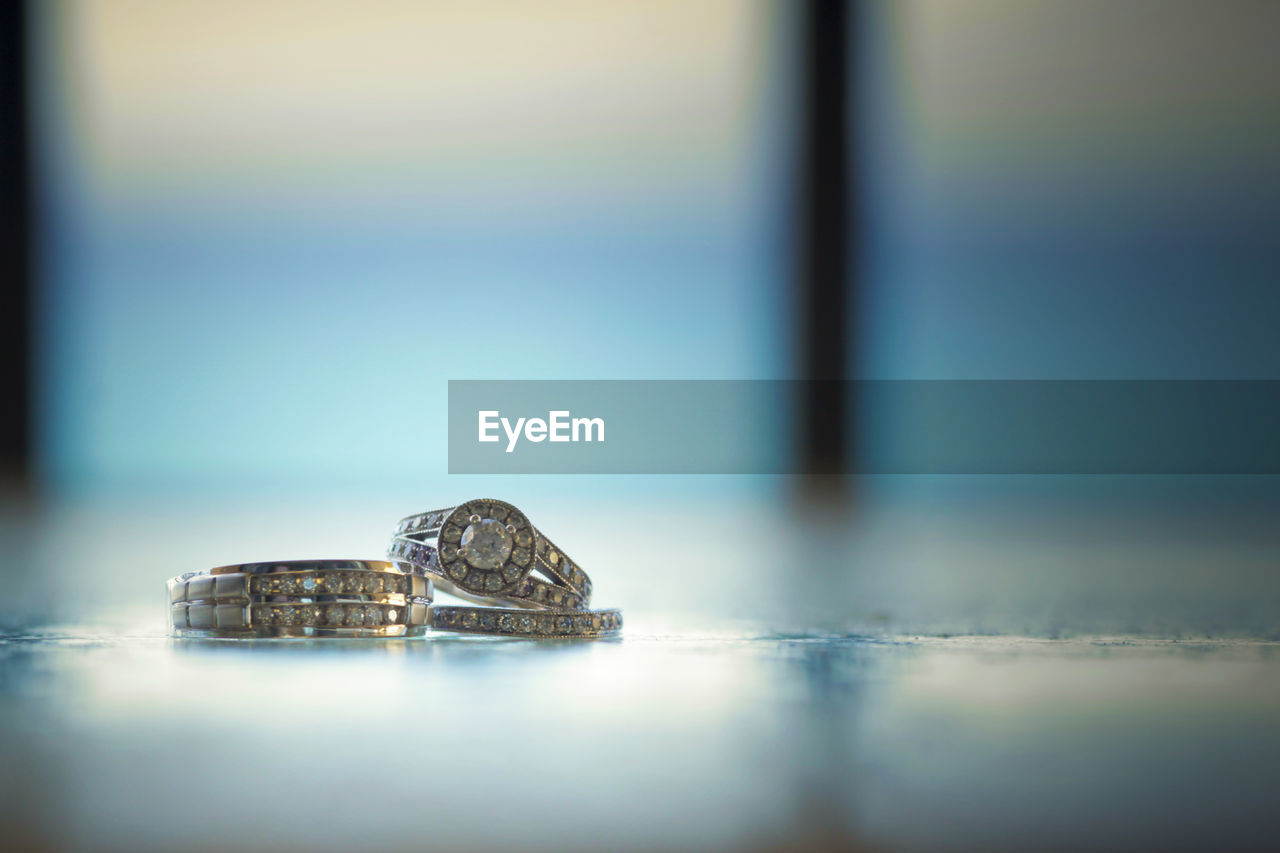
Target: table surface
x=123 y=741
x=955 y=670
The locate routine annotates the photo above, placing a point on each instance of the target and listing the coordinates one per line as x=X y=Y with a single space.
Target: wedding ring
x=486 y=550
x=302 y=598
x=519 y=622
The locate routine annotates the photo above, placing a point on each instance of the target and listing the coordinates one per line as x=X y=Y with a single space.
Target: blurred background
x=247 y=244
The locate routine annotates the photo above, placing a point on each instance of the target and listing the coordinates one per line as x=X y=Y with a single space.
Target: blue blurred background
x=267 y=234
x=1082 y=190
x=275 y=230
x=270 y=232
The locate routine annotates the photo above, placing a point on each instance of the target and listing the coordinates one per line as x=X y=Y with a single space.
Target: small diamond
x=546 y=625
x=355 y=616
x=492 y=583
x=352 y=582
x=372 y=582
x=497 y=513
x=450 y=533
x=556 y=596
x=309 y=584
x=449 y=551
x=507 y=622
x=286 y=616
x=488 y=621
x=372 y=614
x=323 y=583
x=469 y=619
x=524 y=537
x=443 y=618
x=308 y=615
x=512 y=573
x=475 y=580
x=540 y=593
x=289 y=585
x=399 y=585
x=553 y=557
x=259 y=586
x=333 y=614
x=521 y=555
x=263 y=616
x=595 y=622
x=458 y=571
x=525 y=624
x=581 y=624
x=564 y=625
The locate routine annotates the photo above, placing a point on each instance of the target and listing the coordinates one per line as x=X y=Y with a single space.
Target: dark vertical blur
x=825 y=290
x=15 y=246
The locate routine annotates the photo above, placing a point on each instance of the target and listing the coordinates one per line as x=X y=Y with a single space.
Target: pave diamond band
x=301 y=598
x=486 y=550
x=516 y=622
x=556 y=563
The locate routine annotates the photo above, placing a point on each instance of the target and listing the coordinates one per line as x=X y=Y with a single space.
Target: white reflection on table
x=714 y=742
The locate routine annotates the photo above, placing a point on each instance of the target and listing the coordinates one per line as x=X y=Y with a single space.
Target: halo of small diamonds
x=485 y=547
x=486 y=550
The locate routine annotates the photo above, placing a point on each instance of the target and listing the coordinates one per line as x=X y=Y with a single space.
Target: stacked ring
x=302 y=598
x=486 y=550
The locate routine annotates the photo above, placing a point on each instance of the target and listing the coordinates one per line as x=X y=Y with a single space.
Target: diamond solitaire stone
x=485 y=544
